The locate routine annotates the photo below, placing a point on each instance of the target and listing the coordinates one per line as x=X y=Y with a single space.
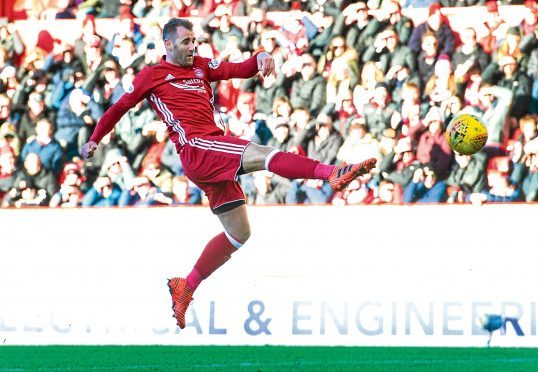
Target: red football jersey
x=182 y=97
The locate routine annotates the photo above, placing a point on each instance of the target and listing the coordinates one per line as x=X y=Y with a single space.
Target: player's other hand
x=88 y=149
x=266 y=64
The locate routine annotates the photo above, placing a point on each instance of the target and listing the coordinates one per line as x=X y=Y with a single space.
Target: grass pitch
x=263 y=358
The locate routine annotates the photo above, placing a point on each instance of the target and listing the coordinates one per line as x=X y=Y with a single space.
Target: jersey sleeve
x=221 y=70
x=137 y=92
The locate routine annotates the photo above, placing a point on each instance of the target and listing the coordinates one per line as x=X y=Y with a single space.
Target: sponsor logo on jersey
x=198 y=72
x=130 y=88
x=192 y=85
x=214 y=63
x=169 y=77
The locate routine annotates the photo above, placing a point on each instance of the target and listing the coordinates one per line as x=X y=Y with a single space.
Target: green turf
x=264 y=358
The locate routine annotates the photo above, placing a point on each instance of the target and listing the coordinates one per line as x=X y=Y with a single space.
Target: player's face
x=182 y=51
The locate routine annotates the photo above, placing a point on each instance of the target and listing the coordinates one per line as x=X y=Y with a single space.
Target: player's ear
x=168 y=45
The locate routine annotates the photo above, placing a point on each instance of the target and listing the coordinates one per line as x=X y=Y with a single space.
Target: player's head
x=179 y=41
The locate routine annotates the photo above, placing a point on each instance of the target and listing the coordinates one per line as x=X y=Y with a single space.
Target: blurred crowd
x=355 y=79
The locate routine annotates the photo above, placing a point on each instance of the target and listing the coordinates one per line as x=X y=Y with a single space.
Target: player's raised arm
x=259 y=63
x=138 y=91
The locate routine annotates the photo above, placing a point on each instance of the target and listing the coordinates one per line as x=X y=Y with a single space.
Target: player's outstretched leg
x=295 y=166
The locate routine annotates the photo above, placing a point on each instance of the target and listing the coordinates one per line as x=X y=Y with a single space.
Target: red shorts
x=213 y=163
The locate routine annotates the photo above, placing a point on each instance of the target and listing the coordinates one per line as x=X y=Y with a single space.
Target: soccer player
x=179 y=90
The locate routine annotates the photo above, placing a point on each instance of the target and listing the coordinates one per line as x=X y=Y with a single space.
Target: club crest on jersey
x=198 y=73
x=214 y=63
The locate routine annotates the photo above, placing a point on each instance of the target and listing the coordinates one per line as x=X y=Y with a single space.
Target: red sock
x=290 y=165
x=194 y=279
x=215 y=254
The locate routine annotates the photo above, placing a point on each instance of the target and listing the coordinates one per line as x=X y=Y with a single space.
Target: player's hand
x=266 y=64
x=88 y=149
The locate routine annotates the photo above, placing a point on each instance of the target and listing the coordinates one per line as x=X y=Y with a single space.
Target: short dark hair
x=171 y=26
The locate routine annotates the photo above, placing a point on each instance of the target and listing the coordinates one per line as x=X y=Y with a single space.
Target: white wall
x=371 y=275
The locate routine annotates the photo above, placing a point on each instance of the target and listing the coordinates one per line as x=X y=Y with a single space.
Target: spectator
x=127 y=28
x=438 y=25
x=455 y=3
x=33 y=184
x=410 y=108
x=510 y=46
x=8 y=81
x=7 y=169
x=150 y=57
x=468 y=176
x=532 y=73
x=77 y=111
x=424 y=188
x=524 y=159
x=469 y=87
x=111 y=89
x=428 y=56
x=498 y=189
x=336 y=48
x=265 y=192
x=469 y=54
x=378 y=114
x=266 y=91
x=45 y=146
x=529 y=26
x=221 y=29
x=88 y=35
x=493 y=29
x=116 y=169
x=11 y=43
x=32 y=114
x=65 y=10
x=71 y=183
x=441 y=85
x=282 y=138
x=8 y=136
x=390 y=16
x=355 y=25
x=495 y=103
x=363 y=93
x=184 y=192
x=359 y=144
x=399 y=166
x=124 y=51
x=356 y=193
x=308 y=87
x=342 y=77
x=92 y=167
x=93 y=55
x=129 y=132
x=142 y=194
x=324 y=141
x=387 y=193
x=308 y=192
x=103 y=193
x=511 y=77
x=432 y=148
x=389 y=54
x=5 y=108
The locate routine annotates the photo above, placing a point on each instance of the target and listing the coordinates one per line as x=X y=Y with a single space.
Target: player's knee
x=244 y=234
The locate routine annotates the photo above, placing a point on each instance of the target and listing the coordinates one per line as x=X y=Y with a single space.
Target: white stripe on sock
x=234 y=242
x=270 y=157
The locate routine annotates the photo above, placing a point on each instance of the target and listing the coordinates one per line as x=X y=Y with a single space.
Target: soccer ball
x=466 y=134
